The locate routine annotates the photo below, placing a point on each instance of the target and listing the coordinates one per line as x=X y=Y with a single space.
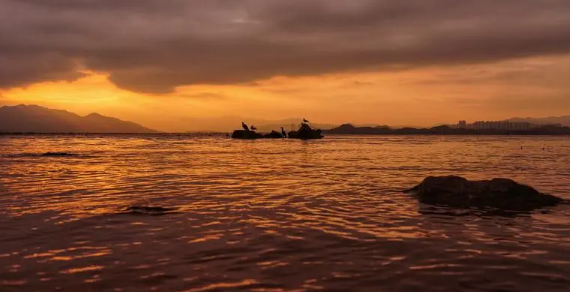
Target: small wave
x=46 y=154
x=148 y=210
x=58 y=154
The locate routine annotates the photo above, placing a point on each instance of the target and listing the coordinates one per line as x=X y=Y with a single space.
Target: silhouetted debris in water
x=504 y=194
x=58 y=154
x=148 y=210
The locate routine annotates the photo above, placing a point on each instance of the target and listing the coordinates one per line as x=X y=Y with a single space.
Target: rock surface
x=243 y=134
x=306 y=133
x=273 y=135
x=505 y=194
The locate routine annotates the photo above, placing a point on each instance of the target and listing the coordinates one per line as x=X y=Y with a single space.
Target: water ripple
x=273 y=215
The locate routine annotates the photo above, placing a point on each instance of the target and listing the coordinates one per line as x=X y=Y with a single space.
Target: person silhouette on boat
x=253 y=128
x=244 y=126
x=305 y=121
x=283 y=133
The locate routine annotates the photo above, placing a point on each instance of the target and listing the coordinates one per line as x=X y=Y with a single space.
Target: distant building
x=462 y=125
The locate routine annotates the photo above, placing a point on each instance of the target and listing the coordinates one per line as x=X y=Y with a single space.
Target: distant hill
x=564 y=120
x=348 y=129
x=33 y=118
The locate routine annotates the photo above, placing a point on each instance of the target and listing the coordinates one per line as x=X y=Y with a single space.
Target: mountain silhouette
x=563 y=120
x=37 y=119
x=348 y=129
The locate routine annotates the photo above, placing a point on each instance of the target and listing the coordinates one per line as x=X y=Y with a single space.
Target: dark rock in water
x=306 y=133
x=58 y=154
x=148 y=210
x=273 y=135
x=242 y=134
x=505 y=194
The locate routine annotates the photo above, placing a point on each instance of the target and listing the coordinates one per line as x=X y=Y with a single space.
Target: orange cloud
x=427 y=96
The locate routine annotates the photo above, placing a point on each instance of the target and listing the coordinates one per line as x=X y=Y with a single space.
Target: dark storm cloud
x=156 y=45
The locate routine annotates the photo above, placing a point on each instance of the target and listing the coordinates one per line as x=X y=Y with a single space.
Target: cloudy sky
x=164 y=62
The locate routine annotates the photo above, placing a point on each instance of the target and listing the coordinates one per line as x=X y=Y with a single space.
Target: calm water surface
x=274 y=215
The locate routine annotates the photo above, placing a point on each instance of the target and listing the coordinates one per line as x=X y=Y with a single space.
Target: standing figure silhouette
x=244 y=126
x=283 y=133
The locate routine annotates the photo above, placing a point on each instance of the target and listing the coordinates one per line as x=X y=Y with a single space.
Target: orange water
x=274 y=215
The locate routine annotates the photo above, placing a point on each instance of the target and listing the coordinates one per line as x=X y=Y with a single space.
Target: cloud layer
x=153 y=46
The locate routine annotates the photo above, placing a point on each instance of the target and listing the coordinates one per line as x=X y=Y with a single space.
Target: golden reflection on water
x=218 y=286
x=82 y=269
x=273 y=215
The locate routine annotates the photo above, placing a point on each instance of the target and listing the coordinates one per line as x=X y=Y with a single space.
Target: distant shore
x=348 y=129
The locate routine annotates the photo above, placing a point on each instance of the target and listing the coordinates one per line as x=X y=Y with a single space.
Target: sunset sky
x=163 y=63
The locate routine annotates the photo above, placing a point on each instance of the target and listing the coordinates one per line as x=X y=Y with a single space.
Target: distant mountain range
x=348 y=129
x=229 y=123
x=37 y=119
x=564 y=120
x=33 y=118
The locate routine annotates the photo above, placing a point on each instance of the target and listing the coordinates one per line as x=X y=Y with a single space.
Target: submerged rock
x=243 y=134
x=505 y=194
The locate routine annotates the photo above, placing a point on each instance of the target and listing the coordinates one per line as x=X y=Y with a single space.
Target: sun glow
x=420 y=97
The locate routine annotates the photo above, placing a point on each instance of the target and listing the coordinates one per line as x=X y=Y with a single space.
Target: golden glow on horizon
x=413 y=97
x=81 y=96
